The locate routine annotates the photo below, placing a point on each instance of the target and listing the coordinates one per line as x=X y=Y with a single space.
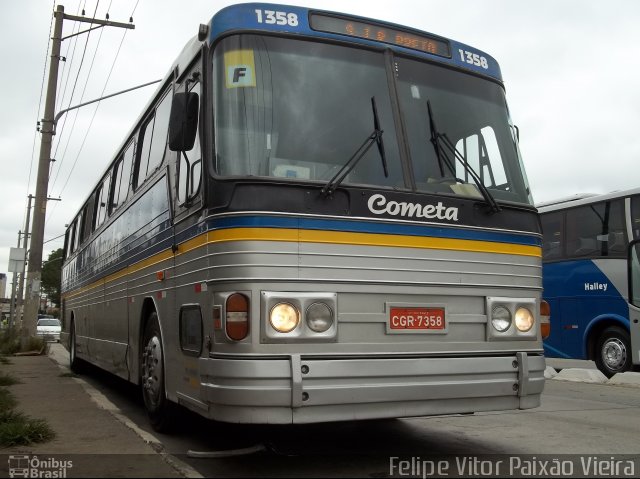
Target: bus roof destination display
x=379 y=33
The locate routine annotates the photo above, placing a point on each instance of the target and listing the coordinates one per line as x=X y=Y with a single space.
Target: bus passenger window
x=552 y=245
x=102 y=198
x=596 y=230
x=122 y=172
x=152 y=141
x=635 y=216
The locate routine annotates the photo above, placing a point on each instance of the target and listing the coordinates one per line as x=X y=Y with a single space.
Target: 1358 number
x=473 y=59
x=271 y=17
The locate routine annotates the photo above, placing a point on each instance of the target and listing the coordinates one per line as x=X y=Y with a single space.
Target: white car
x=48 y=328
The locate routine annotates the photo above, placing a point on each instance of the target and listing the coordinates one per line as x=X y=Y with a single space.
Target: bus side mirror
x=634 y=272
x=183 y=121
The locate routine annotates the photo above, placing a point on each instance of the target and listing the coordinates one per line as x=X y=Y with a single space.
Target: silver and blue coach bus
x=591 y=278
x=318 y=217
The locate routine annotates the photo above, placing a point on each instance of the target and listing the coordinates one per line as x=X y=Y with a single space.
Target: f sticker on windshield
x=240 y=69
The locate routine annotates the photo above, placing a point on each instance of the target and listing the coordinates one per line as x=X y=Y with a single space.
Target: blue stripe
x=373 y=227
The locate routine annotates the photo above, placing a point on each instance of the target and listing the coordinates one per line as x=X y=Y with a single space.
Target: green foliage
x=16 y=428
x=8 y=380
x=52 y=276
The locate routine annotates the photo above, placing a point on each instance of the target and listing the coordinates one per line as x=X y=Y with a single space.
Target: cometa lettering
x=379 y=205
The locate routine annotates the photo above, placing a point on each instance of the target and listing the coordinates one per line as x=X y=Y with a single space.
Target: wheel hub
x=152 y=369
x=614 y=354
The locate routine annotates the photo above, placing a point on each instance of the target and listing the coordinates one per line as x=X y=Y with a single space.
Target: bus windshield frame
x=296 y=110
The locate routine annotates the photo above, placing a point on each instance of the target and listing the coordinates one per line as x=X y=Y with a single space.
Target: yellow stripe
x=319 y=236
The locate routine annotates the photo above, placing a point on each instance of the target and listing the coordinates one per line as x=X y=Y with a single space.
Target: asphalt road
x=575 y=418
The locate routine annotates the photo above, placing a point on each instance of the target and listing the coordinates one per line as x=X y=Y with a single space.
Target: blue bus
x=590 y=274
x=317 y=217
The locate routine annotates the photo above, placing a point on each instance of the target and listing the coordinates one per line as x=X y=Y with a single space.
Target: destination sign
x=371 y=31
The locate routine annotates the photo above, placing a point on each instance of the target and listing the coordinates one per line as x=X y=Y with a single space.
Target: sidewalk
x=96 y=443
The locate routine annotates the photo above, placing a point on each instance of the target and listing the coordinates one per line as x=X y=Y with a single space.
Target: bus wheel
x=159 y=409
x=75 y=363
x=613 y=354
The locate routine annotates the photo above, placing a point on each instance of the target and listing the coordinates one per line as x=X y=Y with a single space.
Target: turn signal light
x=237 y=320
x=545 y=321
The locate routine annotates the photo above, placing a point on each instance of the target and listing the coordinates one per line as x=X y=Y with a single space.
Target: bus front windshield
x=298 y=110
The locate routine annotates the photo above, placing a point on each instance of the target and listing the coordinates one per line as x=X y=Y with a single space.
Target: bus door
x=634 y=300
x=190 y=254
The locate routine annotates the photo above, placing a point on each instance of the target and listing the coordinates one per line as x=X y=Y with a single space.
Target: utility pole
x=25 y=239
x=34 y=274
x=14 y=299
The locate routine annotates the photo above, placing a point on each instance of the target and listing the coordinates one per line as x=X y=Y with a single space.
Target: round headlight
x=319 y=317
x=284 y=318
x=524 y=320
x=501 y=318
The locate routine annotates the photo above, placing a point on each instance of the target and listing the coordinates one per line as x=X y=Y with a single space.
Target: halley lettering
x=596 y=286
x=378 y=205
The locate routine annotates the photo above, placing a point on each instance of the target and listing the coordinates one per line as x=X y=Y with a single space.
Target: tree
x=52 y=276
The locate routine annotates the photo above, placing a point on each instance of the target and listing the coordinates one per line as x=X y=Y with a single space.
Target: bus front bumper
x=296 y=389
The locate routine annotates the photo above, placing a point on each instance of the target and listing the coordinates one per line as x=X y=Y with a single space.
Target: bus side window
x=121 y=175
x=102 y=198
x=635 y=216
x=153 y=141
x=190 y=166
x=596 y=230
x=552 y=230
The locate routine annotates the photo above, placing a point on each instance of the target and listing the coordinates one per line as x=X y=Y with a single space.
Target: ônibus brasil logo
x=379 y=205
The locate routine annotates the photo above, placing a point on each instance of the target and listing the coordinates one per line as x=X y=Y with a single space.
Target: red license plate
x=420 y=319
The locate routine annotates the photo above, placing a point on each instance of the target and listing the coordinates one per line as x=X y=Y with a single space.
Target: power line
x=104 y=88
x=44 y=72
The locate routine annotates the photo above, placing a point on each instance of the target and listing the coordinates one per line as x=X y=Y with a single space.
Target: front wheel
x=613 y=354
x=76 y=364
x=160 y=410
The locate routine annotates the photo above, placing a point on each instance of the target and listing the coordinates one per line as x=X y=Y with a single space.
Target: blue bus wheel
x=613 y=353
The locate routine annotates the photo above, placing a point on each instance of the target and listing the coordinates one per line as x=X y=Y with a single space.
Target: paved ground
x=84 y=430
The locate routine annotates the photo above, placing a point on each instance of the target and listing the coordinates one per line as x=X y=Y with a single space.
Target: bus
x=318 y=217
x=589 y=249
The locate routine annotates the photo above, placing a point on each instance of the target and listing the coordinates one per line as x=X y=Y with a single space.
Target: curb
x=593 y=376
x=103 y=402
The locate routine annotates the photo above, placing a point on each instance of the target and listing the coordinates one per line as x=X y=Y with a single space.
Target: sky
x=571 y=70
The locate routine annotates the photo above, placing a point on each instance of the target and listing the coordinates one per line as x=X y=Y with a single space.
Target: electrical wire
x=35 y=135
x=75 y=84
x=97 y=105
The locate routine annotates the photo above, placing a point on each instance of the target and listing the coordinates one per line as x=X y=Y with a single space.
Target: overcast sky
x=571 y=70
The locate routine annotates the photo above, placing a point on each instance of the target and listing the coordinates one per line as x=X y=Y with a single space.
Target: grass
x=8 y=380
x=16 y=428
x=10 y=344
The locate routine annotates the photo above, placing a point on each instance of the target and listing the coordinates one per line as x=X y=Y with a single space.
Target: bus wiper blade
x=437 y=139
x=374 y=137
x=436 y=144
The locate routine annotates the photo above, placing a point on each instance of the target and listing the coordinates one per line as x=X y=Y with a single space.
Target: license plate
x=417 y=320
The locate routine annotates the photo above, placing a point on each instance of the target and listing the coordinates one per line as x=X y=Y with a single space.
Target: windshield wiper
x=374 y=137
x=437 y=139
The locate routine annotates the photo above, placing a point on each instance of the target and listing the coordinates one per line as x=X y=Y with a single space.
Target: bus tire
x=76 y=364
x=613 y=351
x=160 y=410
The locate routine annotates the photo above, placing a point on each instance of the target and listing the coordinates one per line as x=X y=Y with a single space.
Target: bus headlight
x=524 y=319
x=284 y=317
x=319 y=317
x=501 y=318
